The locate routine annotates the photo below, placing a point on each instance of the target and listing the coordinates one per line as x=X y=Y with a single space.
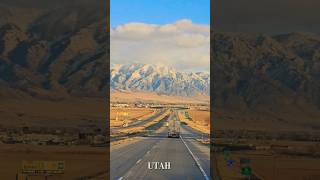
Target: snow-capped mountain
x=159 y=79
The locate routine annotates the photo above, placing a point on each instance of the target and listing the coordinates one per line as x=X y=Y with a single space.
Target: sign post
x=245 y=167
x=43 y=168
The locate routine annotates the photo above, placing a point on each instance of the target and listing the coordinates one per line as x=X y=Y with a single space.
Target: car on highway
x=174 y=129
x=183 y=123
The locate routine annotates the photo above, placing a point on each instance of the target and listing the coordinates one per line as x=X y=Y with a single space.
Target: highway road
x=140 y=122
x=188 y=158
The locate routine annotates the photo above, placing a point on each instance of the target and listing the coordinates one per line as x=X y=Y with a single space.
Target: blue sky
x=159 y=11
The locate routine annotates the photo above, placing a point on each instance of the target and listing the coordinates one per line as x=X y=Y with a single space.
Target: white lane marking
x=120 y=178
x=128 y=174
x=196 y=160
x=138 y=161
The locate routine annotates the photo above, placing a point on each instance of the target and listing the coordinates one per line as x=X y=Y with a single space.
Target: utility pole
x=274 y=166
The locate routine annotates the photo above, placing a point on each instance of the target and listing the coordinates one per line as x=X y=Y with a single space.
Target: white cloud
x=192 y=40
x=182 y=45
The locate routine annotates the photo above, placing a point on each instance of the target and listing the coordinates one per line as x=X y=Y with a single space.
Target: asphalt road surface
x=188 y=158
x=140 y=122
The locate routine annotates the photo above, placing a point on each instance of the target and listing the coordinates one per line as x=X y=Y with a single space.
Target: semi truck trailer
x=173 y=128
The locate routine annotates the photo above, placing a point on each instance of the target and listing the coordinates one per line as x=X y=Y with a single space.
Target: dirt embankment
x=196 y=119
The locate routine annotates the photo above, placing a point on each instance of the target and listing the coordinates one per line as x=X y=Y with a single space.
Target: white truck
x=173 y=128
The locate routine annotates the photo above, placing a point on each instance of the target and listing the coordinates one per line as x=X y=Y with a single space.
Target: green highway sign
x=247 y=171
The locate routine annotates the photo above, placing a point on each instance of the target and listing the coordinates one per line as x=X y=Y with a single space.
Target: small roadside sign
x=43 y=167
x=231 y=162
x=247 y=171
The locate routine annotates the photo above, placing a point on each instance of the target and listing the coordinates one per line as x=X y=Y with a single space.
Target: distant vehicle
x=184 y=123
x=174 y=129
x=125 y=124
x=167 y=124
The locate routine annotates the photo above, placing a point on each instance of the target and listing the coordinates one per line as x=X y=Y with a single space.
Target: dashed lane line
x=195 y=159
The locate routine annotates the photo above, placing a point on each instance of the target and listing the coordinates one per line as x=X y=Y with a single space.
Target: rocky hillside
x=160 y=79
x=52 y=49
x=267 y=72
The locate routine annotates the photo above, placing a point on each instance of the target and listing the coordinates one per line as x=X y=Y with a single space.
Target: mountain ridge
x=288 y=63
x=159 y=79
x=53 y=51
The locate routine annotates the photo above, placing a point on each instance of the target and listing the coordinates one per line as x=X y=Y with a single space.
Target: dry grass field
x=147 y=124
x=200 y=120
x=117 y=96
x=289 y=142
x=80 y=161
x=200 y=117
x=267 y=166
x=276 y=160
x=286 y=168
x=45 y=113
x=77 y=114
x=290 y=119
x=129 y=115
